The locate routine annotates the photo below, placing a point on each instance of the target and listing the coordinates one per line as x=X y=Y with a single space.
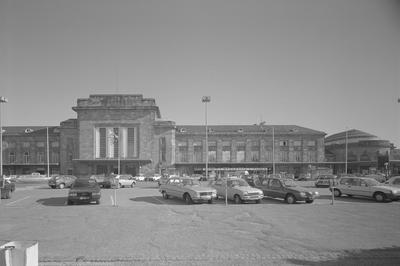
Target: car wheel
x=290 y=199
x=165 y=195
x=258 y=201
x=380 y=197
x=309 y=201
x=337 y=193
x=62 y=185
x=187 y=198
x=237 y=199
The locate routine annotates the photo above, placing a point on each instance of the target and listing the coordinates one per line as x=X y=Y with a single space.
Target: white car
x=125 y=180
x=394 y=181
x=366 y=187
x=238 y=190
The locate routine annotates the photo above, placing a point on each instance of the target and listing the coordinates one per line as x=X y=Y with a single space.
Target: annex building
x=126 y=132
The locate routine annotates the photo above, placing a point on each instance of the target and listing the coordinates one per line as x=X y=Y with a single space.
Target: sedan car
x=84 y=190
x=238 y=190
x=188 y=189
x=286 y=189
x=61 y=181
x=366 y=187
x=125 y=180
x=394 y=181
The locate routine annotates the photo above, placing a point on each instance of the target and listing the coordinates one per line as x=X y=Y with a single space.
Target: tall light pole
x=205 y=100
x=345 y=170
x=273 y=151
x=2 y=100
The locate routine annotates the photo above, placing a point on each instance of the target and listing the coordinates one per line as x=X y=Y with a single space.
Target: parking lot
x=146 y=229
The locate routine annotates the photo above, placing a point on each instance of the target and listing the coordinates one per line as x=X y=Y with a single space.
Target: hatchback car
x=125 y=180
x=238 y=190
x=84 y=190
x=286 y=189
x=61 y=181
x=366 y=187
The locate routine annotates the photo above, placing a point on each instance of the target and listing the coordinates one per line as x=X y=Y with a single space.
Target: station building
x=125 y=132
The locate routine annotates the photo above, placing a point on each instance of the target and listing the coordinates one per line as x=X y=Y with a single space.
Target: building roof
x=278 y=129
x=351 y=134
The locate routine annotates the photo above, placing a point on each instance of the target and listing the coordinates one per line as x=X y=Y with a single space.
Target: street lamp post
x=345 y=170
x=2 y=100
x=205 y=100
x=273 y=151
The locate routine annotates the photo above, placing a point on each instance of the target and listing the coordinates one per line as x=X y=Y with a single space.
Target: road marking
x=12 y=202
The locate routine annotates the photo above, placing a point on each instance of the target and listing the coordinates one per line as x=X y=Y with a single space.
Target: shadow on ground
x=55 y=201
x=368 y=257
x=158 y=200
x=352 y=199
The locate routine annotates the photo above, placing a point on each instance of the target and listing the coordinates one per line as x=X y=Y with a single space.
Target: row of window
x=41 y=157
x=25 y=144
x=253 y=156
x=255 y=144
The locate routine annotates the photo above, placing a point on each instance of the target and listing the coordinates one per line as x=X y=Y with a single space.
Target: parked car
x=188 y=189
x=106 y=181
x=84 y=190
x=366 y=187
x=394 y=181
x=237 y=189
x=377 y=177
x=61 y=181
x=325 y=181
x=125 y=180
x=287 y=189
x=140 y=177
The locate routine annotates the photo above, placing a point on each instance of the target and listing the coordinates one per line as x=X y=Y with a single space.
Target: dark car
x=84 y=190
x=286 y=189
x=61 y=181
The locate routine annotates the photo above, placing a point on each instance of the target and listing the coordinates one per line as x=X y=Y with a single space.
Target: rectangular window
x=240 y=152
x=41 y=157
x=40 y=144
x=26 y=144
x=102 y=143
x=197 y=151
x=112 y=142
x=11 y=157
x=283 y=156
x=212 y=151
x=311 y=143
x=297 y=156
x=268 y=155
x=255 y=151
x=297 y=143
x=132 y=142
x=226 y=151
x=182 y=152
x=283 y=143
x=55 y=157
x=163 y=149
x=26 y=157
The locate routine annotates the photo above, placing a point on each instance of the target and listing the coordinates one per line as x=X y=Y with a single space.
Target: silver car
x=238 y=190
x=188 y=189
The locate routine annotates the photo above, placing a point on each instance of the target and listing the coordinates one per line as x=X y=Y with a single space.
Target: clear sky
x=323 y=64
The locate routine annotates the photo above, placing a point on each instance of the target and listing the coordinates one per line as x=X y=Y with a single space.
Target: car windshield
x=190 y=182
x=84 y=183
x=289 y=183
x=238 y=183
x=372 y=182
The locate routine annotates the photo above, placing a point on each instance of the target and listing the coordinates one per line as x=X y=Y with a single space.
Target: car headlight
x=73 y=194
x=316 y=193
